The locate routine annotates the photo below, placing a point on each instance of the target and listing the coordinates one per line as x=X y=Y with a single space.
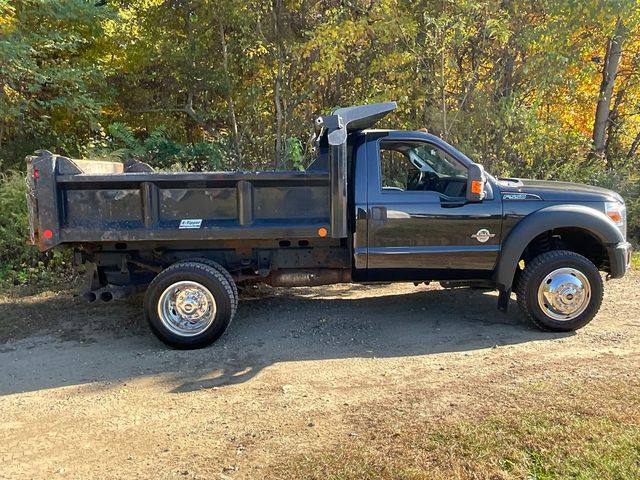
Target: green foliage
x=514 y=85
x=48 y=78
x=230 y=84
x=21 y=263
x=294 y=153
x=627 y=184
x=158 y=150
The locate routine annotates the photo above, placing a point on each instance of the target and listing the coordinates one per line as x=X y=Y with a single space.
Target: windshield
x=429 y=158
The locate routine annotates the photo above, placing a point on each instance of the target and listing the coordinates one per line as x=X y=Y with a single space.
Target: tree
x=48 y=95
x=609 y=73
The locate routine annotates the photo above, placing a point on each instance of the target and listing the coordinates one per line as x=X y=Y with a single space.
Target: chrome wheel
x=187 y=308
x=564 y=294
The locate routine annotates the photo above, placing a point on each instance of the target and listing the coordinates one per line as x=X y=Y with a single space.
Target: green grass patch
x=635 y=260
x=538 y=444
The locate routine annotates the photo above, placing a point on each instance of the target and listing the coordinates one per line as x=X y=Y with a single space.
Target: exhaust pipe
x=90 y=297
x=106 y=296
x=112 y=292
x=308 y=278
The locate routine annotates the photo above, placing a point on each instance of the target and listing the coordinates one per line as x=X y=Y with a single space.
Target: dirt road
x=87 y=391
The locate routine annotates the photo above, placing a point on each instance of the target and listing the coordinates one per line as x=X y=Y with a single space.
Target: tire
x=189 y=305
x=224 y=272
x=572 y=298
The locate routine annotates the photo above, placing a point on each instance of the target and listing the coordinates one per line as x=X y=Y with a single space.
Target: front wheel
x=189 y=305
x=560 y=291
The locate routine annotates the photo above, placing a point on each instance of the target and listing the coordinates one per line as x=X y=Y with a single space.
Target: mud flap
x=503 y=300
x=91 y=279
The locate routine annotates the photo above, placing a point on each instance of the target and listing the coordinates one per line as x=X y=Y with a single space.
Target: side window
x=420 y=166
x=396 y=169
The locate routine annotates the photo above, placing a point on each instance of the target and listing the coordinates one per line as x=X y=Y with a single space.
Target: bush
x=21 y=263
x=159 y=151
x=628 y=185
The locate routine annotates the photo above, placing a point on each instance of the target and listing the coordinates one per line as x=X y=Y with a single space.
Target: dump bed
x=81 y=202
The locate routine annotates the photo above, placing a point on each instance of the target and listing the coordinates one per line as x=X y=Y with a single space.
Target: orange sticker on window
x=476 y=186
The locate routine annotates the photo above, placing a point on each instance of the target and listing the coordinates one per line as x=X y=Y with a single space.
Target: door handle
x=378 y=215
x=452 y=203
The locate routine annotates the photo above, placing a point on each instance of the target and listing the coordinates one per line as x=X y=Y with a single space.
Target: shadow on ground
x=76 y=343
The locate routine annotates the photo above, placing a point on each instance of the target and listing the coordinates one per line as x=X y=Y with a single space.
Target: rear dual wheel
x=190 y=304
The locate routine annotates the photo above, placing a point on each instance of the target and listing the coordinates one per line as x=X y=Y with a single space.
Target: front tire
x=560 y=291
x=189 y=305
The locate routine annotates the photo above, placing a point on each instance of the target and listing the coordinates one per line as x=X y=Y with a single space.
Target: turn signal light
x=616 y=216
x=48 y=234
x=476 y=186
x=322 y=232
x=616 y=212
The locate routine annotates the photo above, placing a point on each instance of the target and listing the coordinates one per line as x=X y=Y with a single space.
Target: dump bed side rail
x=70 y=206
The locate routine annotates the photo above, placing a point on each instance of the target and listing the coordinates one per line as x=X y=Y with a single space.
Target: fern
x=122 y=134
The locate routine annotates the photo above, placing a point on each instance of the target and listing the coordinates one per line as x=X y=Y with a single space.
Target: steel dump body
x=133 y=207
x=77 y=201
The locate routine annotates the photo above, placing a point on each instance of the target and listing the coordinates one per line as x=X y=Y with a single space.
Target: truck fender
x=548 y=218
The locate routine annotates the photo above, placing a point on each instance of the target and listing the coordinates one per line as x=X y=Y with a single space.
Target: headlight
x=617 y=212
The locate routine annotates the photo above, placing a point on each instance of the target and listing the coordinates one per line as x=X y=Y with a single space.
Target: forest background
x=544 y=88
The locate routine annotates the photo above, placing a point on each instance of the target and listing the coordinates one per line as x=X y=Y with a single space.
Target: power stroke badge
x=483 y=235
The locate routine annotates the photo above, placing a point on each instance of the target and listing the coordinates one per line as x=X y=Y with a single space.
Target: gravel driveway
x=87 y=391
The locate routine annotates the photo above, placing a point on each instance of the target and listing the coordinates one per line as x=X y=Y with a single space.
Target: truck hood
x=552 y=191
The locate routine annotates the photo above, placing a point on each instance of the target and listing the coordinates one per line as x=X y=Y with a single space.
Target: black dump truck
x=374 y=206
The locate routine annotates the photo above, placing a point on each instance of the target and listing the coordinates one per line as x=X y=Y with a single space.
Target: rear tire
x=189 y=305
x=560 y=291
x=224 y=272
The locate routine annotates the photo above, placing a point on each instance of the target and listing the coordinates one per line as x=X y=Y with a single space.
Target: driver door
x=419 y=222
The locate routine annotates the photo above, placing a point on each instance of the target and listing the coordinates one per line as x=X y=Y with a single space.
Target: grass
x=592 y=432
x=635 y=260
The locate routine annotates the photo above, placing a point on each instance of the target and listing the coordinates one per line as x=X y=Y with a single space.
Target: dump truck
x=374 y=206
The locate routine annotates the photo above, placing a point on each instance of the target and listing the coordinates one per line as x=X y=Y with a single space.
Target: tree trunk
x=230 y=105
x=613 y=124
x=443 y=86
x=505 y=87
x=276 y=12
x=443 y=91
x=193 y=115
x=609 y=73
x=191 y=47
x=634 y=146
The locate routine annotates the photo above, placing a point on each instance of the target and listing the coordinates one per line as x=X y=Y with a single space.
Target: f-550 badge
x=483 y=235
x=520 y=196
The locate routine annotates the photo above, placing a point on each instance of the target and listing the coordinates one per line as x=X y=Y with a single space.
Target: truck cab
x=413 y=217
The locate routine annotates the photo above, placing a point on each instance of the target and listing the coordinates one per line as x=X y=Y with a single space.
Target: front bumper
x=619 y=258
